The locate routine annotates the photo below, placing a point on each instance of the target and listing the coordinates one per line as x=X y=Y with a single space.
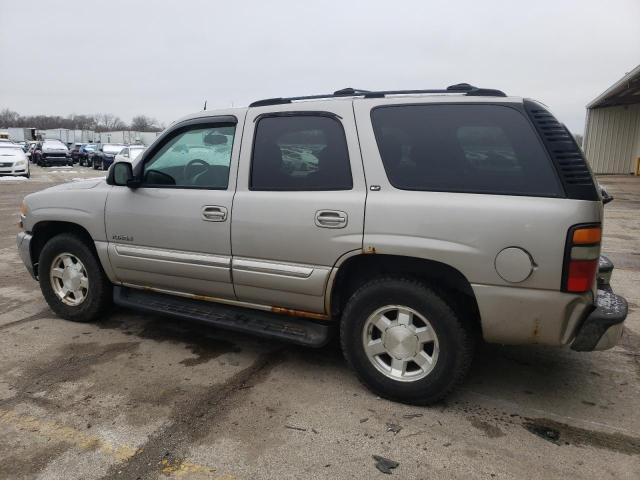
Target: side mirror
x=121 y=174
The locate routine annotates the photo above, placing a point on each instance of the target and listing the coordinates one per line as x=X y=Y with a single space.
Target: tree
x=108 y=121
x=143 y=123
x=8 y=118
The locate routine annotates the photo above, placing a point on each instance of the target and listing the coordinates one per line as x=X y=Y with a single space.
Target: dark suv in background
x=52 y=152
x=105 y=154
x=84 y=152
x=74 y=152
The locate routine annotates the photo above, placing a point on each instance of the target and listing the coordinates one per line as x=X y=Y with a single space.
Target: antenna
x=205 y=105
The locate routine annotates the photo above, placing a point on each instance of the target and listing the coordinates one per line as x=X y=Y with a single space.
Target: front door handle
x=331 y=219
x=214 y=213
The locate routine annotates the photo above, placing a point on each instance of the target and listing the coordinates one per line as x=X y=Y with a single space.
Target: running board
x=255 y=322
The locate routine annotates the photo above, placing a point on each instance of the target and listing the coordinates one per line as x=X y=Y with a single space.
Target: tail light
x=581 y=258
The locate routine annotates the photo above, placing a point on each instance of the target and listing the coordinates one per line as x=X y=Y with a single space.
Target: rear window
x=463 y=148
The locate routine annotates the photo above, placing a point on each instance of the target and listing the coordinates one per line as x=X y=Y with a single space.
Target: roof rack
x=459 y=88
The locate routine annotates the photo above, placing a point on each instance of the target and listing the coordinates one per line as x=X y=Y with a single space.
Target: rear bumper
x=523 y=316
x=602 y=328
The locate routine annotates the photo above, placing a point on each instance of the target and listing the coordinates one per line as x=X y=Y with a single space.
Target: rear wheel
x=72 y=280
x=404 y=341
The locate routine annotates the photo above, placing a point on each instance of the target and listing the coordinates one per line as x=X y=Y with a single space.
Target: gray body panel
x=467 y=231
x=280 y=227
x=160 y=238
x=81 y=203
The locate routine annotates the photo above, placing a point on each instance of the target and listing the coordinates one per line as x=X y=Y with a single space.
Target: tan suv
x=411 y=222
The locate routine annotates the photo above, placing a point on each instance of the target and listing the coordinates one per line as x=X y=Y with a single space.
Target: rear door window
x=463 y=148
x=298 y=153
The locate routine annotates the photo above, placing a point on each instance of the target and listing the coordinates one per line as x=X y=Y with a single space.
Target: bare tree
x=100 y=122
x=8 y=118
x=108 y=121
x=142 y=123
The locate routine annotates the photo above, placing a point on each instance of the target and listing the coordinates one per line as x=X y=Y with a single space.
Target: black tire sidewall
x=100 y=289
x=454 y=341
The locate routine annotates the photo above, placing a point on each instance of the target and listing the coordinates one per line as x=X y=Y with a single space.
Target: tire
x=97 y=299
x=452 y=349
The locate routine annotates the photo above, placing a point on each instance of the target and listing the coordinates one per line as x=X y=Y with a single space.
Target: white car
x=13 y=161
x=130 y=153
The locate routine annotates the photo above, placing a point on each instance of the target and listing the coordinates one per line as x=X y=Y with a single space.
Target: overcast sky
x=164 y=58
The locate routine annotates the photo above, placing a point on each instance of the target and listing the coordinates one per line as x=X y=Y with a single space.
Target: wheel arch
x=358 y=269
x=45 y=230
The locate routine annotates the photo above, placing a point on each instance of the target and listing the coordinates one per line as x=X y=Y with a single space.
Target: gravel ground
x=138 y=396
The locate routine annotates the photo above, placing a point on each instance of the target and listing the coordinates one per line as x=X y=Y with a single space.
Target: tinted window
x=197 y=157
x=463 y=148
x=300 y=153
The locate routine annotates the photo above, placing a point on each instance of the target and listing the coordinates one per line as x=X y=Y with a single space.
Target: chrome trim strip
x=151 y=253
x=287 y=270
x=237 y=303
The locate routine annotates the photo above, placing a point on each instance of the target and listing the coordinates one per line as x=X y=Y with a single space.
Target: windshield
x=114 y=149
x=54 y=144
x=89 y=148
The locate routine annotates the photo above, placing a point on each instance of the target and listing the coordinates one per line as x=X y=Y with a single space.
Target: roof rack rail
x=458 y=88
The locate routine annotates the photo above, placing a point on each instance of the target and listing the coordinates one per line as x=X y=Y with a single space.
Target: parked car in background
x=87 y=150
x=105 y=155
x=130 y=153
x=13 y=160
x=74 y=151
x=52 y=152
x=30 y=150
x=91 y=154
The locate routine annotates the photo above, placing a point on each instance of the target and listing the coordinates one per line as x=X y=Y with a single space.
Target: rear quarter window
x=463 y=148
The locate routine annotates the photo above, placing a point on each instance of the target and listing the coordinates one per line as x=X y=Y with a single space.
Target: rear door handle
x=331 y=219
x=214 y=213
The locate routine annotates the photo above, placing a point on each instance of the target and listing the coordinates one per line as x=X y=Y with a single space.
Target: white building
x=612 y=130
x=127 y=137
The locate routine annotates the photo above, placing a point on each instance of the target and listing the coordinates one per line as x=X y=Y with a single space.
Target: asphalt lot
x=138 y=396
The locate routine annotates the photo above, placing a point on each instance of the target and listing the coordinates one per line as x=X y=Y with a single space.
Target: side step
x=256 y=322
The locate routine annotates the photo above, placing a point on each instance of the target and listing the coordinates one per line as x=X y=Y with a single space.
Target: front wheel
x=404 y=341
x=72 y=280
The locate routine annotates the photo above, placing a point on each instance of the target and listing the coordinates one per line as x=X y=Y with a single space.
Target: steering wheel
x=196 y=162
